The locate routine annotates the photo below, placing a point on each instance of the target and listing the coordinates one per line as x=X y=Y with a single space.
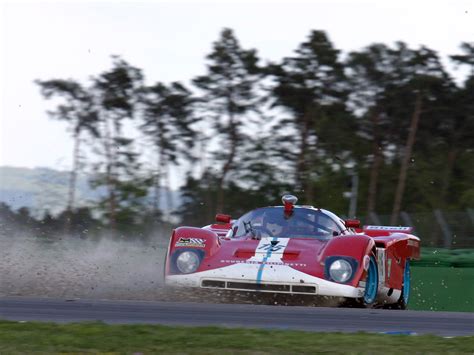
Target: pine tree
x=167 y=122
x=372 y=72
x=421 y=74
x=116 y=95
x=78 y=110
x=311 y=86
x=229 y=96
x=459 y=135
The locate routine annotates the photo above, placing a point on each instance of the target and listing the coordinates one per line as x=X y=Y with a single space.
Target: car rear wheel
x=402 y=302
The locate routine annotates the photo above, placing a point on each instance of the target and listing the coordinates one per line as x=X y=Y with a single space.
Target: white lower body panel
x=279 y=278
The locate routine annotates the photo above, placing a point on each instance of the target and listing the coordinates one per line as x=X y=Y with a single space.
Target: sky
x=169 y=41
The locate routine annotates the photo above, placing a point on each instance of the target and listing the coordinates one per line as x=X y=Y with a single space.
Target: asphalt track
x=320 y=319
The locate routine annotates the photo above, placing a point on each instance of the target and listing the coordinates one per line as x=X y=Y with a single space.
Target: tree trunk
x=452 y=155
x=227 y=166
x=156 y=195
x=230 y=159
x=302 y=175
x=110 y=156
x=375 y=168
x=72 y=183
x=400 y=190
x=169 y=199
x=201 y=166
x=309 y=186
x=158 y=175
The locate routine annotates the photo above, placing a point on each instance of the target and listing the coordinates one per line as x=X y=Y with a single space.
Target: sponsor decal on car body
x=413 y=243
x=272 y=246
x=259 y=262
x=191 y=242
x=388 y=228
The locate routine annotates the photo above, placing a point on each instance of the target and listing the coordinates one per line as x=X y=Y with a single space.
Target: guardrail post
x=470 y=213
x=374 y=218
x=444 y=228
x=354 y=193
x=406 y=219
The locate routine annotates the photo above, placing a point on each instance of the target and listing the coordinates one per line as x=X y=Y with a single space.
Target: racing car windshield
x=273 y=222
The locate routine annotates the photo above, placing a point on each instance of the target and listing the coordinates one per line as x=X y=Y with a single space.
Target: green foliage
x=130 y=197
x=167 y=123
x=199 y=206
x=89 y=337
x=229 y=97
x=311 y=86
x=117 y=93
x=468 y=57
x=81 y=220
x=78 y=107
x=301 y=125
x=167 y=119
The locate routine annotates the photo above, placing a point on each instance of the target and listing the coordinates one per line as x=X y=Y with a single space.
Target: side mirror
x=352 y=223
x=223 y=218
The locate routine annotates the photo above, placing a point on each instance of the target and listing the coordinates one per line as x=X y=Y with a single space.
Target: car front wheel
x=371 y=288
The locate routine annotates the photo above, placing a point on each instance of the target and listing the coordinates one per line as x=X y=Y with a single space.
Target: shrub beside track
x=443 y=280
x=439 y=257
x=442 y=289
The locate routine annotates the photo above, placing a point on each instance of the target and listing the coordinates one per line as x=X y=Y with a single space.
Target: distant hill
x=45 y=189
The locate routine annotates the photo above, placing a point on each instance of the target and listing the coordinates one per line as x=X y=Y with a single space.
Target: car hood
x=303 y=254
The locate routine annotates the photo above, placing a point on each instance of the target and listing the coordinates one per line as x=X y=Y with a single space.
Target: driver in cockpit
x=273 y=225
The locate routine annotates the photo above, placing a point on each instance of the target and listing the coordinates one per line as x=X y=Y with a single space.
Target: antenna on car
x=289 y=201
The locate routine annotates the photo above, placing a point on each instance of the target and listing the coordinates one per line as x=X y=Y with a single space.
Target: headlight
x=187 y=262
x=340 y=270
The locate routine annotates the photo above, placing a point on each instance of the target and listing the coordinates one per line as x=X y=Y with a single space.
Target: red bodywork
x=390 y=247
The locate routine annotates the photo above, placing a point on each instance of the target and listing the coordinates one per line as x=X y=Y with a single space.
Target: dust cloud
x=78 y=268
x=72 y=268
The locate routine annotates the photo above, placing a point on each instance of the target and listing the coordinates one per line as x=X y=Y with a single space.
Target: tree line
x=249 y=130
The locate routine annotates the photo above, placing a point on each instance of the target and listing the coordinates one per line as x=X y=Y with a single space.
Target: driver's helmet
x=273 y=222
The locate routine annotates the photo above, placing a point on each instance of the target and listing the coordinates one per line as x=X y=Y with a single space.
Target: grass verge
x=98 y=337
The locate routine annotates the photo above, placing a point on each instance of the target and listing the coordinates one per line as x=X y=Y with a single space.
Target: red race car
x=293 y=249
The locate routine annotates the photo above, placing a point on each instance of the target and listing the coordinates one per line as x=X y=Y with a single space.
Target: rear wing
x=377 y=231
